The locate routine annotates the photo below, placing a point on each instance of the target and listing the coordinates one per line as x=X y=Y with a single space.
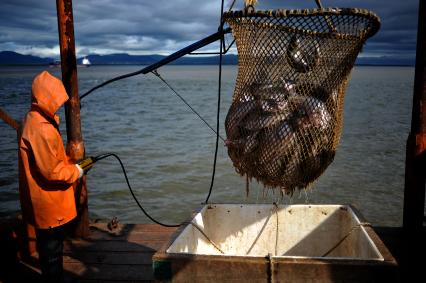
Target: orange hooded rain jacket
x=46 y=173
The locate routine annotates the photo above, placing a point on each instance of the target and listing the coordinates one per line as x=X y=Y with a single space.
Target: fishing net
x=285 y=120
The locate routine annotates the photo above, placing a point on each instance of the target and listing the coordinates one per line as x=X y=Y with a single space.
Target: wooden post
x=75 y=146
x=415 y=170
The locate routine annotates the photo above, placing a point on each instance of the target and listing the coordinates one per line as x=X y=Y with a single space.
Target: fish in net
x=285 y=120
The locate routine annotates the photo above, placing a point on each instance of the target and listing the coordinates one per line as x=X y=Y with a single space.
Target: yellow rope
x=207 y=237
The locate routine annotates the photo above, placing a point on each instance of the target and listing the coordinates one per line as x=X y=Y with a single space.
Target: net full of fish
x=280 y=137
x=285 y=120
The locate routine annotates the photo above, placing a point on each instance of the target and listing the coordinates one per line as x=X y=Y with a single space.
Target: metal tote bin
x=270 y=243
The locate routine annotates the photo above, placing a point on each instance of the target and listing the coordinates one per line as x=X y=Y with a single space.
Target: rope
x=274 y=209
x=232 y=5
x=259 y=234
x=207 y=237
x=276 y=227
x=327 y=18
x=155 y=72
x=319 y=4
x=346 y=236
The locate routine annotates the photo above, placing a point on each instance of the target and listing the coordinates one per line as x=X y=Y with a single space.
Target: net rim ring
x=286 y=13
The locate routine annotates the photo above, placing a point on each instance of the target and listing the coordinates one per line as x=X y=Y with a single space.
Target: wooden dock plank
x=139 y=237
x=130 y=228
x=112 y=246
x=123 y=254
x=98 y=257
x=120 y=254
x=104 y=272
x=112 y=281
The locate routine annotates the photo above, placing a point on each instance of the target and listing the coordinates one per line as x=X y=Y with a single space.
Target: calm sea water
x=168 y=151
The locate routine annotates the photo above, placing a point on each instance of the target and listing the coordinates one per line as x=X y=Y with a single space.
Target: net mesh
x=285 y=120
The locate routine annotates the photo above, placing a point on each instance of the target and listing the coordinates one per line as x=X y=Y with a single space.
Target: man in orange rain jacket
x=47 y=174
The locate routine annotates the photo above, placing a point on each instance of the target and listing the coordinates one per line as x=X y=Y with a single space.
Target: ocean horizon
x=168 y=151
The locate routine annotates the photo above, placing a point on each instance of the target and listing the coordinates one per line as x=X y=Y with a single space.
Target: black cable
x=102 y=156
x=155 y=72
x=110 y=81
x=172 y=57
x=218 y=106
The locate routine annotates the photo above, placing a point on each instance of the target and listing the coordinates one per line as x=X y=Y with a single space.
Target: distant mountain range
x=13 y=58
x=126 y=59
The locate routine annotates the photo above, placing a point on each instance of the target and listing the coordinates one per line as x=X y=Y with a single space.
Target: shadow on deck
x=125 y=254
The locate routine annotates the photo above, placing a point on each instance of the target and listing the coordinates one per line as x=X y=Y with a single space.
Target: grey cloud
x=146 y=26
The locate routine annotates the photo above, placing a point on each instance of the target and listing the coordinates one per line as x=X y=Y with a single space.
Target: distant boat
x=86 y=62
x=55 y=63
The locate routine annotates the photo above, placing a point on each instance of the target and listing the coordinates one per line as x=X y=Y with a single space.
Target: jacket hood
x=48 y=94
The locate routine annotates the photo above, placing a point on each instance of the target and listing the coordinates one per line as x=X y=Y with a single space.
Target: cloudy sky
x=164 y=26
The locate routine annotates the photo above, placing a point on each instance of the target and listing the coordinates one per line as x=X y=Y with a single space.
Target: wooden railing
x=27 y=245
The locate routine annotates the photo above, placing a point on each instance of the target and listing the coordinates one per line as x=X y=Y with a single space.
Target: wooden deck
x=125 y=254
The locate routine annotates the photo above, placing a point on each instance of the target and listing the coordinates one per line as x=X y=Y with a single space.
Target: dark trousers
x=50 y=245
